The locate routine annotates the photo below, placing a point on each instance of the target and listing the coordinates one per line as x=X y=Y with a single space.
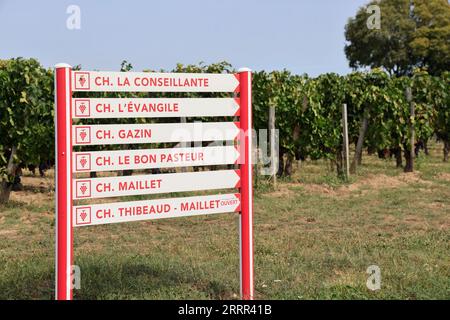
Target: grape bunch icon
x=83 y=188
x=83 y=215
x=83 y=161
x=82 y=107
x=83 y=134
x=82 y=80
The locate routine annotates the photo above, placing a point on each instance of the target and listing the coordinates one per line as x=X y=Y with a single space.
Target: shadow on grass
x=109 y=277
x=142 y=277
x=37 y=189
x=25 y=281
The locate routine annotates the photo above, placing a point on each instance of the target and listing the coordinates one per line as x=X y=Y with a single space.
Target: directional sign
x=154 y=107
x=154 y=158
x=153 y=82
x=155 y=183
x=86 y=215
x=70 y=163
x=154 y=133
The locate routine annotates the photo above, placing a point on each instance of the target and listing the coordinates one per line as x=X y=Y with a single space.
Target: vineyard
x=306 y=157
x=308 y=115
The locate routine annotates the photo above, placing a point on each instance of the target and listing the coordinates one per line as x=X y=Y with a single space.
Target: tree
x=321 y=121
x=365 y=96
x=286 y=93
x=413 y=33
x=431 y=40
x=26 y=118
x=441 y=98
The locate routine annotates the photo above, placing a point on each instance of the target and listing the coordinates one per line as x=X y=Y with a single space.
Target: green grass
x=315 y=236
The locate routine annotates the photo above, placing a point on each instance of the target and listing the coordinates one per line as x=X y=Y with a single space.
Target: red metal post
x=63 y=196
x=246 y=216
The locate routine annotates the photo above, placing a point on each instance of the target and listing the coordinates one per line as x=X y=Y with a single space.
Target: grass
x=315 y=236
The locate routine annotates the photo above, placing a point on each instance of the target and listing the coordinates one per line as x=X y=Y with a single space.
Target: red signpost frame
x=246 y=216
x=63 y=157
x=64 y=77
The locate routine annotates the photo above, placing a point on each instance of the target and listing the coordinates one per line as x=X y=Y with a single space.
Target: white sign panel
x=87 y=215
x=153 y=107
x=153 y=158
x=154 y=183
x=153 y=133
x=153 y=82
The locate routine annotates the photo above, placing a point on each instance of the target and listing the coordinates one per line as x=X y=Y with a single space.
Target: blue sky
x=304 y=36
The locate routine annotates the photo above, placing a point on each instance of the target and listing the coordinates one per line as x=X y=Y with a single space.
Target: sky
x=303 y=36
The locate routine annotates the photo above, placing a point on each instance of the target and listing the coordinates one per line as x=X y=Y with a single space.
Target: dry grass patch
x=32 y=198
x=443 y=176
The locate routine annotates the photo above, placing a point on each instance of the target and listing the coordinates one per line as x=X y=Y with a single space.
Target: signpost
x=154 y=82
x=153 y=133
x=107 y=187
x=155 y=209
x=154 y=158
x=69 y=164
x=154 y=108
